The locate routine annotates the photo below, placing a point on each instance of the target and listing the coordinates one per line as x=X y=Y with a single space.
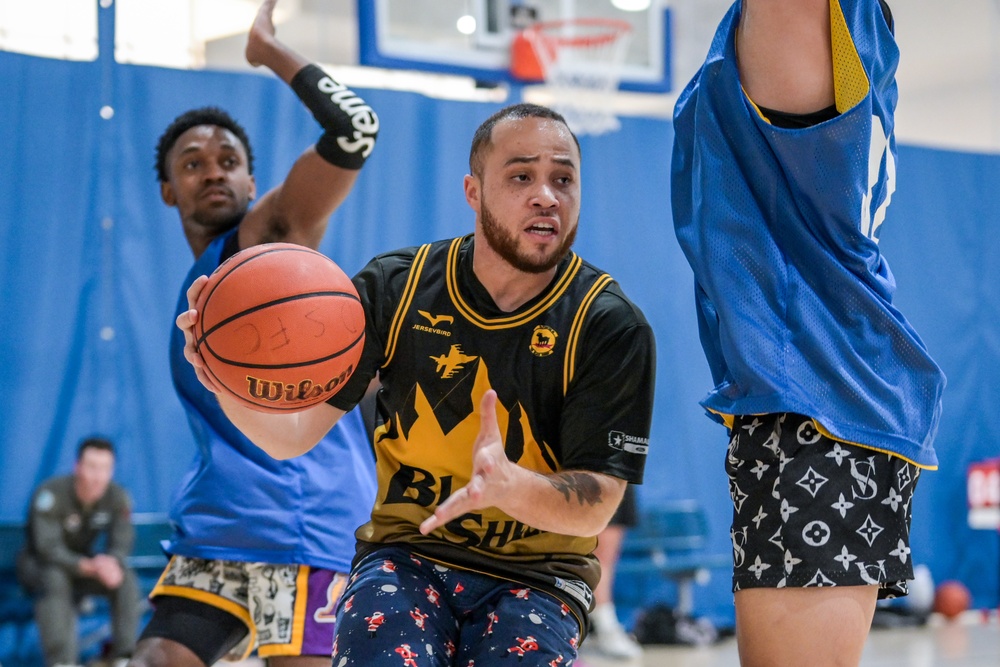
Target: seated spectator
x=79 y=534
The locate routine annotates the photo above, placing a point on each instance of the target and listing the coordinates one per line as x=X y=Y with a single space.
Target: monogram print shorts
x=812 y=511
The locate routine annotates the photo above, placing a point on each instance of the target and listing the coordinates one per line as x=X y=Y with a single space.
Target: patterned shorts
x=811 y=511
x=403 y=610
x=288 y=609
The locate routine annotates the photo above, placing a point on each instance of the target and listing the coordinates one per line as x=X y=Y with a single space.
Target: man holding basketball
x=515 y=404
x=783 y=166
x=261 y=546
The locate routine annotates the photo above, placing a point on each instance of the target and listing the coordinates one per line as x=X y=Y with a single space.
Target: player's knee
x=159 y=652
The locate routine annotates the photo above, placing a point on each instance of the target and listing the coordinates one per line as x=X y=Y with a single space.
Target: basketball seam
x=297 y=364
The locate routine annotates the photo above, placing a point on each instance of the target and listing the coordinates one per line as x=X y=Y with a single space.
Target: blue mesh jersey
x=781 y=228
x=238 y=503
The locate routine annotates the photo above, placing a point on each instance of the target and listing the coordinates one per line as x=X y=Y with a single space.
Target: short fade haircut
x=94 y=442
x=193 y=118
x=483 y=138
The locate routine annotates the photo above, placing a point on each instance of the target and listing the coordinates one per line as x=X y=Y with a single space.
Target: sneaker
x=608 y=637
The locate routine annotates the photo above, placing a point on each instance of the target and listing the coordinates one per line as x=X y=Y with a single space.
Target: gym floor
x=971 y=641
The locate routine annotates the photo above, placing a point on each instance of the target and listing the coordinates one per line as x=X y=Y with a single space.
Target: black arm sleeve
x=350 y=125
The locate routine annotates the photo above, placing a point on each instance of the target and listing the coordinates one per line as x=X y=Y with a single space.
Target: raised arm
x=571 y=502
x=297 y=210
x=785 y=54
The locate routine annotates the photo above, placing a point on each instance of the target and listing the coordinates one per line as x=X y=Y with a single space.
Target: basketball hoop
x=580 y=61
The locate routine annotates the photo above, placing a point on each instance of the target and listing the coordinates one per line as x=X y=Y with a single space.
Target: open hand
x=494 y=476
x=261 y=37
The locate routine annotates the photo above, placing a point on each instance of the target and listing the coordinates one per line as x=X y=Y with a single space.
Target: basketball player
x=261 y=545
x=783 y=166
x=516 y=398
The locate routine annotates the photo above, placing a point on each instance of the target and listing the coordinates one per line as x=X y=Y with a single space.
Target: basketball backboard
x=473 y=37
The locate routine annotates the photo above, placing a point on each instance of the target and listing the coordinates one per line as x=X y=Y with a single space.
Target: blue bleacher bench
x=670 y=541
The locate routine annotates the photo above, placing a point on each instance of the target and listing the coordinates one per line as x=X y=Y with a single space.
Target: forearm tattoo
x=581 y=484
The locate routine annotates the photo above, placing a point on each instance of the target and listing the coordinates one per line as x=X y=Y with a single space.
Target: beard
x=506 y=245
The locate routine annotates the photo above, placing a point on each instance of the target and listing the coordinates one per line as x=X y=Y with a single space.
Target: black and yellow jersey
x=573 y=370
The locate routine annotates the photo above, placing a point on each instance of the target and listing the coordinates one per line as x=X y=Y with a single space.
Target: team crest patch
x=543 y=341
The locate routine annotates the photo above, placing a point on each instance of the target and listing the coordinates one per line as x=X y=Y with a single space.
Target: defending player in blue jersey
x=261 y=546
x=784 y=164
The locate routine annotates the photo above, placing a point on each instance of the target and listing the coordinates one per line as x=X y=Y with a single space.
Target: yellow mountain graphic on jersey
x=421 y=465
x=425 y=444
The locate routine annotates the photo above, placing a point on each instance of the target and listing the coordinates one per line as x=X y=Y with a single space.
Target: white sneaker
x=608 y=637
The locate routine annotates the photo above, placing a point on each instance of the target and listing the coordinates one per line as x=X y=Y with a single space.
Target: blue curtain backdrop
x=91 y=261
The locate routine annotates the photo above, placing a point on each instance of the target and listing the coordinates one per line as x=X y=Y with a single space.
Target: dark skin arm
x=296 y=211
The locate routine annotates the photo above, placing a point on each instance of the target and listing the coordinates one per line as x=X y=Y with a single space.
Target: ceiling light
x=631 y=5
x=466 y=24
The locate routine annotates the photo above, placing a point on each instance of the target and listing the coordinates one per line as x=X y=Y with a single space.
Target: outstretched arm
x=571 y=502
x=298 y=210
x=785 y=54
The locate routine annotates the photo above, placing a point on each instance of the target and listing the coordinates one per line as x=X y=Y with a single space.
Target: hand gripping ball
x=281 y=327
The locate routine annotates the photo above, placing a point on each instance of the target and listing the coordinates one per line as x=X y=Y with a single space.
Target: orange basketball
x=951 y=598
x=281 y=327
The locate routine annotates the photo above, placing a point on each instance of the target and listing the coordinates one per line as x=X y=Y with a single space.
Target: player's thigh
x=202 y=605
x=818 y=627
x=515 y=622
x=187 y=632
x=387 y=618
x=293 y=609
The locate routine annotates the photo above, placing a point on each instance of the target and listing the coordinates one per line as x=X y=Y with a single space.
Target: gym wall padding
x=92 y=259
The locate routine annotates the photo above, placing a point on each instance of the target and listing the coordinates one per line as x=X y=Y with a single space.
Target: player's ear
x=472 y=191
x=253 y=188
x=167 y=194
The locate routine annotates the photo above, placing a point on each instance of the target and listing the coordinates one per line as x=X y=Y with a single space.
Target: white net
x=581 y=61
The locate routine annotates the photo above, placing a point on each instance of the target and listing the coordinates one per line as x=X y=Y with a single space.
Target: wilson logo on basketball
x=281 y=327
x=306 y=390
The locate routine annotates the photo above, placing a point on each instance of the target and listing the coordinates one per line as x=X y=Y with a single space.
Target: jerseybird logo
x=451 y=363
x=434 y=320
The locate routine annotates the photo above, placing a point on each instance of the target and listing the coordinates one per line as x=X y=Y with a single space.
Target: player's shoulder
x=611 y=303
x=402 y=256
x=398 y=262
x=408 y=253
